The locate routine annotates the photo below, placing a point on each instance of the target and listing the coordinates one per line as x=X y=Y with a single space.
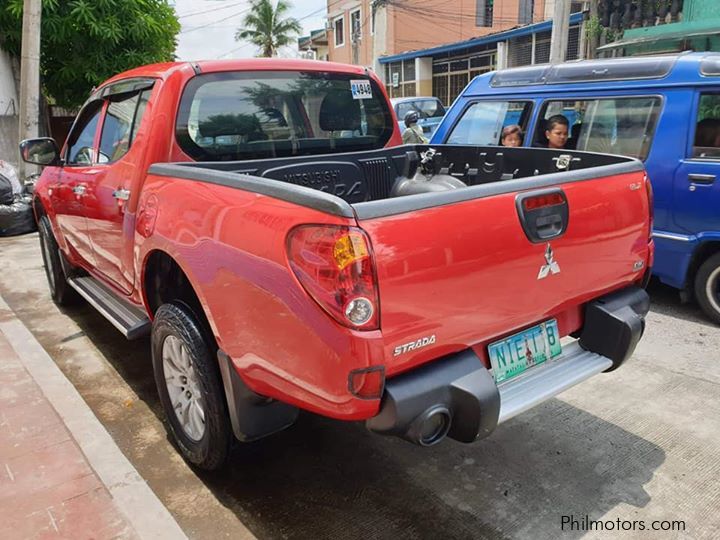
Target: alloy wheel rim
x=182 y=383
x=712 y=289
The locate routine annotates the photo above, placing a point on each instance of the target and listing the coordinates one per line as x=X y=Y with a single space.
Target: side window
x=81 y=141
x=482 y=123
x=624 y=126
x=707 y=130
x=140 y=112
x=117 y=127
x=432 y=108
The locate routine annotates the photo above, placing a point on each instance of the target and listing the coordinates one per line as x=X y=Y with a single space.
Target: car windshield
x=255 y=115
x=426 y=108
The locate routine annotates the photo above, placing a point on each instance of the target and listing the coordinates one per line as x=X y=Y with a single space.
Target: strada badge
x=413 y=345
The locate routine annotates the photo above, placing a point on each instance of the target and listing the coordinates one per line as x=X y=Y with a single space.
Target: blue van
x=664 y=110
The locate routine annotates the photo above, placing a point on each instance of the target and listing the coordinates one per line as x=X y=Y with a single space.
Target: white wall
x=8 y=94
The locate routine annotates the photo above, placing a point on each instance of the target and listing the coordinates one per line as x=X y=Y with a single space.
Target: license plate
x=513 y=355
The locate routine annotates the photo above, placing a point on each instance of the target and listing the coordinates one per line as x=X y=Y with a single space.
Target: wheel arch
x=701 y=254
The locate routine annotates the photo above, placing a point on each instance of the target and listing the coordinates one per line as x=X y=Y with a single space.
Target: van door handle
x=121 y=194
x=701 y=178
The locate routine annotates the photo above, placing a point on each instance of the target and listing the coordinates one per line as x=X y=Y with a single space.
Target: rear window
x=256 y=115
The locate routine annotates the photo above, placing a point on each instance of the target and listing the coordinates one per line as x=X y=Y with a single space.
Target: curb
x=131 y=494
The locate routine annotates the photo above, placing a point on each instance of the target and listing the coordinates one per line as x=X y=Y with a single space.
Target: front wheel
x=191 y=392
x=62 y=293
x=707 y=287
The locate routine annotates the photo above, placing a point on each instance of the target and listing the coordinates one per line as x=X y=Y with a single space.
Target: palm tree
x=266 y=28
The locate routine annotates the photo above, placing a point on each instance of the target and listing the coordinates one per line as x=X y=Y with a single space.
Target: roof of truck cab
x=604 y=74
x=164 y=70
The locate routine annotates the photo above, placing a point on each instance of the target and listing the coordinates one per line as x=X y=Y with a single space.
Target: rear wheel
x=61 y=292
x=707 y=287
x=190 y=387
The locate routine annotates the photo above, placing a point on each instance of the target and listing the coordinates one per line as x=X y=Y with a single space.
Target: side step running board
x=126 y=317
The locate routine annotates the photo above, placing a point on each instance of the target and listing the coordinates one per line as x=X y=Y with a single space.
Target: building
x=314 y=46
x=435 y=47
x=665 y=26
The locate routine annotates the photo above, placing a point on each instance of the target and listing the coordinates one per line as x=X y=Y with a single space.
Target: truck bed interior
x=377 y=175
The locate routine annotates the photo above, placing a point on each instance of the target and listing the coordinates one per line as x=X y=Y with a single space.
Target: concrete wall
x=9 y=140
x=9 y=109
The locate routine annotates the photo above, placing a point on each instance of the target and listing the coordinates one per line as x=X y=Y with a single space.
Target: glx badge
x=551 y=267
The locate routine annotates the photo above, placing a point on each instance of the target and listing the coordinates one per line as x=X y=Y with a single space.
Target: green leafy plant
x=83 y=42
x=267 y=27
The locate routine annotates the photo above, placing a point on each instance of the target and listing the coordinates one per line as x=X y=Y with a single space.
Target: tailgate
x=463 y=273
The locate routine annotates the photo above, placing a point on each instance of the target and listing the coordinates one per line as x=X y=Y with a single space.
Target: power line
x=202 y=12
x=211 y=23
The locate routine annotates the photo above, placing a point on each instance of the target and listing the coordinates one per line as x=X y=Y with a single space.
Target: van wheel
x=191 y=392
x=707 y=287
x=61 y=293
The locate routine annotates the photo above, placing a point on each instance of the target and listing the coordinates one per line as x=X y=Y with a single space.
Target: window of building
x=484 y=13
x=622 y=126
x=707 y=131
x=400 y=79
x=482 y=122
x=339 y=31
x=355 y=26
x=526 y=11
x=450 y=76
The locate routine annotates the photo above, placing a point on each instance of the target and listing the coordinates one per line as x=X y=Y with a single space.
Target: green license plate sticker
x=518 y=353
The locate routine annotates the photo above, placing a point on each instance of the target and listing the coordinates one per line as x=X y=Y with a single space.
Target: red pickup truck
x=260 y=221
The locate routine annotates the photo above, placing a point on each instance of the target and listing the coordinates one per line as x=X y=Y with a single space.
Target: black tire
x=208 y=451
x=60 y=291
x=707 y=287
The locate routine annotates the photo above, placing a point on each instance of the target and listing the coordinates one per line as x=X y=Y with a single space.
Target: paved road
x=642 y=443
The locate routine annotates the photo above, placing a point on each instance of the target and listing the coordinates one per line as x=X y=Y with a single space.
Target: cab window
x=622 y=126
x=482 y=123
x=81 y=140
x=122 y=119
x=706 y=144
x=426 y=108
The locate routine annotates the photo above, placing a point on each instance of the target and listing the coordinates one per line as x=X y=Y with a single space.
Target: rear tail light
x=335 y=267
x=542 y=201
x=367 y=383
x=651 y=202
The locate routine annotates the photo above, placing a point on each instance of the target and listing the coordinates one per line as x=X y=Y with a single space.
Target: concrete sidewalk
x=61 y=473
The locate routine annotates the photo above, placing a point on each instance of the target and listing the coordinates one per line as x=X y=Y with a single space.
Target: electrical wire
x=202 y=12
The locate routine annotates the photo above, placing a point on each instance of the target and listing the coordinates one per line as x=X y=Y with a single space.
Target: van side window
x=707 y=130
x=482 y=123
x=81 y=141
x=622 y=126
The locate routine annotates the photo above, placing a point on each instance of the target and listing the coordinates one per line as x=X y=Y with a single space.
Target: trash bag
x=9 y=173
x=17 y=218
x=6 y=191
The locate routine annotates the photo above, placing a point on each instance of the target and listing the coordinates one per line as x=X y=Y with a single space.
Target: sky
x=208 y=27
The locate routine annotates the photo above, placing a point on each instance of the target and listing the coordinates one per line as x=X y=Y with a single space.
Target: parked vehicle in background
x=430 y=110
x=663 y=110
x=423 y=290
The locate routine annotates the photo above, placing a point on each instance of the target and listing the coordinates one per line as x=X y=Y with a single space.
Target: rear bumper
x=461 y=390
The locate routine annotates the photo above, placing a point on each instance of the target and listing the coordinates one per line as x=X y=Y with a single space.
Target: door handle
x=701 y=178
x=121 y=194
x=79 y=190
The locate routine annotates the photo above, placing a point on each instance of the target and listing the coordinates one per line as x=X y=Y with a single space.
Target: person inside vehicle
x=511 y=135
x=556 y=131
x=707 y=133
x=414 y=133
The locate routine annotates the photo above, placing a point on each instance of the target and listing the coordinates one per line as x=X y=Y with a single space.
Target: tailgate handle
x=543 y=214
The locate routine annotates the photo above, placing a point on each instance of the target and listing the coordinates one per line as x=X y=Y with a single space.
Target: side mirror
x=42 y=151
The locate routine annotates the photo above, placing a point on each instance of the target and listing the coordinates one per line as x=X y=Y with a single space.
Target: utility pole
x=560 y=31
x=30 y=75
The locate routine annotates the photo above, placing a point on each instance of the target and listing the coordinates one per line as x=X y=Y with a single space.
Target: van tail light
x=334 y=265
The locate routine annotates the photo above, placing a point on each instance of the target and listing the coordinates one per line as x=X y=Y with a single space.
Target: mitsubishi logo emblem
x=551 y=267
